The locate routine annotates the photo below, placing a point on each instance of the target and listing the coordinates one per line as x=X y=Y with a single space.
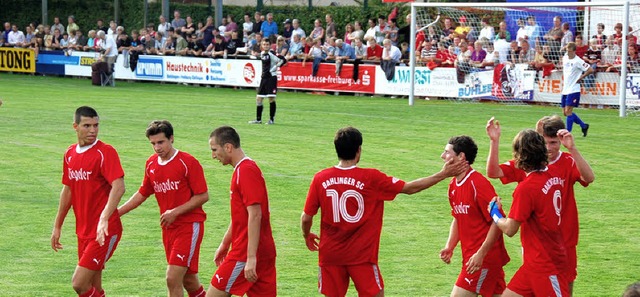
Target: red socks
x=198 y=293
x=91 y=293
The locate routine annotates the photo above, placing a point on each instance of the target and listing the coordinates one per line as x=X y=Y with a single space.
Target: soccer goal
x=523 y=45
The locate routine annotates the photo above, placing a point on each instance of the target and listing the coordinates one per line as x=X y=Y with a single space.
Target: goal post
x=522 y=81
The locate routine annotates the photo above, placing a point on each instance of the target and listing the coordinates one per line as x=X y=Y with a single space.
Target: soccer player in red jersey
x=537 y=207
x=250 y=266
x=483 y=251
x=177 y=180
x=571 y=166
x=93 y=184
x=352 y=203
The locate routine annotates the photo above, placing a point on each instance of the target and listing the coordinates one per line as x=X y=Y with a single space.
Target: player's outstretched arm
x=253 y=233
x=223 y=248
x=586 y=173
x=63 y=210
x=117 y=190
x=451 y=168
x=454 y=237
x=508 y=226
x=169 y=216
x=311 y=239
x=493 y=162
x=132 y=203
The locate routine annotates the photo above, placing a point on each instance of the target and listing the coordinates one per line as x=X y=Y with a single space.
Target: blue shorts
x=572 y=99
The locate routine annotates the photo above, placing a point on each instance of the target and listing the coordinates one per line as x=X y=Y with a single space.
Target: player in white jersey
x=574 y=69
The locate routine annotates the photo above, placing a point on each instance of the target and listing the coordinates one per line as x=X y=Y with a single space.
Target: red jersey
x=537 y=206
x=564 y=166
x=248 y=188
x=352 y=202
x=174 y=182
x=375 y=51
x=89 y=171
x=469 y=199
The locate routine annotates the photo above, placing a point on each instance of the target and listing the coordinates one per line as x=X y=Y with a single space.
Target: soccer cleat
x=585 y=130
x=255 y=122
x=270 y=122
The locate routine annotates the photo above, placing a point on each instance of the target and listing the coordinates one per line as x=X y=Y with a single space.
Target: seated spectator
x=151 y=30
x=329 y=49
x=427 y=53
x=521 y=35
x=315 y=52
x=182 y=47
x=219 y=48
x=357 y=32
x=445 y=57
x=514 y=52
x=296 y=48
x=478 y=55
x=255 y=49
x=610 y=53
x=56 y=41
x=297 y=30
x=318 y=31
x=149 y=44
x=599 y=36
x=124 y=40
x=374 y=50
x=343 y=52
x=492 y=58
x=81 y=41
x=462 y=30
x=406 y=54
x=29 y=38
x=633 y=61
x=282 y=48
x=617 y=37
x=463 y=60
x=99 y=42
x=195 y=46
x=526 y=55
x=390 y=52
x=541 y=61
x=169 y=47
x=71 y=40
x=234 y=43
x=581 y=46
x=348 y=31
x=503 y=29
x=632 y=39
x=360 y=49
x=432 y=36
x=502 y=47
x=487 y=30
x=15 y=37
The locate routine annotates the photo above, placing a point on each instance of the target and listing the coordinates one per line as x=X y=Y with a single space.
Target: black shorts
x=268 y=87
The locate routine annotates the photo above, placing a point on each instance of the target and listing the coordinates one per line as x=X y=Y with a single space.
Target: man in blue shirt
x=269 y=27
x=343 y=51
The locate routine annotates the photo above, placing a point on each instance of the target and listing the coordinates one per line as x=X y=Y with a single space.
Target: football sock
x=577 y=120
x=259 y=109
x=101 y=293
x=272 y=110
x=570 y=122
x=197 y=293
x=91 y=293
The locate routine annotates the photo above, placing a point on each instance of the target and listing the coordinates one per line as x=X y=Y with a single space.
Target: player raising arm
x=352 y=203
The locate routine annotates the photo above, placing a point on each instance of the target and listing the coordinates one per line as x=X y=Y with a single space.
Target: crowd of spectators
x=447 y=44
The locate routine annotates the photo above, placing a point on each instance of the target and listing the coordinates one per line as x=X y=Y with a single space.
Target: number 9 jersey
x=352 y=203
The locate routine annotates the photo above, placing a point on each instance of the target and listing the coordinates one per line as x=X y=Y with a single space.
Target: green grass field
x=35 y=125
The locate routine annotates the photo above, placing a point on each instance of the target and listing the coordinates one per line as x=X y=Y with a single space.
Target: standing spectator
x=487 y=30
x=112 y=31
x=371 y=31
x=56 y=25
x=269 y=84
x=257 y=23
x=72 y=26
x=553 y=38
x=247 y=27
x=534 y=32
x=567 y=36
x=482 y=244
x=297 y=29
x=406 y=30
x=93 y=184
x=177 y=23
x=535 y=208
x=208 y=32
x=350 y=233
x=357 y=31
x=287 y=31
x=15 y=37
x=392 y=32
x=110 y=48
x=462 y=30
x=177 y=180
x=188 y=29
x=522 y=32
x=269 y=27
x=574 y=69
x=330 y=30
x=381 y=29
x=503 y=28
x=164 y=26
x=318 y=31
x=599 y=36
x=447 y=32
x=348 y=31
x=253 y=250
x=231 y=27
x=101 y=27
x=502 y=47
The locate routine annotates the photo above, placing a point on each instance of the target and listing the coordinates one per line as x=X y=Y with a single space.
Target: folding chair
x=107 y=78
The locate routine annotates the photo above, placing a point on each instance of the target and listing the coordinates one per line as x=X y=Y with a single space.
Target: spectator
x=567 y=36
x=381 y=29
x=374 y=50
x=136 y=42
x=632 y=38
x=15 y=37
x=269 y=27
x=447 y=32
x=247 y=27
x=315 y=52
x=101 y=27
x=599 y=36
x=257 y=23
x=113 y=26
x=492 y=58
x=297 y=29
x=360 y=49
x=124 y=40
x=522 y=32
x=231 y=27
x=502 y=47
x=181 y=44
x=610 y=52
x=503 y=28
x=390 y=52
x=164 y=26
x=445 y=57
x=462 y=30
x=177 y=23
x=81 y=40
x=617 y=37
x=553 y=38
x=149 y=43
x=431 y=36
x=151 y=29
x=633 y=61
x=55 y=40
x=357 y=31
x=406 y=30
x=255 y=46
x=593 y=55
x=478 y=55
x=392 y=32
x=427 y=53
x=581 y=47
x=533 y=30
x=541 y=61
x=330 y=31
x=526 y=55
x=90 y=41
x=72 y=26
x=287 y=31
x=195 y=46
x=219 y=48
x=110 y=48
x=188 y=29
x=169 y=48
x=234 y=43
x=56 y=25
x=296 y=48
x=208 y=32
x=158 y=45
x=344 y=52
x=371 y=31
x=29 y=37
x=487 y=30
x=406 y=54
x=282 y=48
x=223 y=26
x=318 y=31
x=514 y=52
x=72 y=41
x=348 y=31
x=329 y=49
x=64 y=42
x=463 y=60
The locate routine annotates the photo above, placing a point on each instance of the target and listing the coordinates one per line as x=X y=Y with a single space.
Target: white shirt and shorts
x=572 y=70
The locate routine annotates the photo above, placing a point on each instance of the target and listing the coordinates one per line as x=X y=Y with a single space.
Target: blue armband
x=495 y=212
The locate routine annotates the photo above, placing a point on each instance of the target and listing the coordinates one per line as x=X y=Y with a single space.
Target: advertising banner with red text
x=295 y=76
x=605 y=91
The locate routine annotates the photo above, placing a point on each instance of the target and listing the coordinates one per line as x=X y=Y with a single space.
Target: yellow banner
x=17 y=60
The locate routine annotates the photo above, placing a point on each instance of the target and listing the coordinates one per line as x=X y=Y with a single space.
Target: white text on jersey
x=461 y=208
x=551 y=182
x=79 y=174
x=165 y=186
x=343 y=181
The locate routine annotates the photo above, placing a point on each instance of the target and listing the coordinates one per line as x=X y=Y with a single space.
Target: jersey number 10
x=339 y=205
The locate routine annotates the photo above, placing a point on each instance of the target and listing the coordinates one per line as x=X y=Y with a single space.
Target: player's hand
x=493 y=129
x=167 y=218
x=446 y=254
x=102 y=231
x=221 y=253
x=455 y=166
x=55 y=240
x=313 y=242
x=566 y=138
x=475 y=263
x=250 y=269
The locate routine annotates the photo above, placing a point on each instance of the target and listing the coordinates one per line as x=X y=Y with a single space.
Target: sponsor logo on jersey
x=150 y=67
x=165 y=186
x=79 y=174
x=461 y=208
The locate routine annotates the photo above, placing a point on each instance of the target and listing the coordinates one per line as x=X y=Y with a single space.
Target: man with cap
x=287 y=32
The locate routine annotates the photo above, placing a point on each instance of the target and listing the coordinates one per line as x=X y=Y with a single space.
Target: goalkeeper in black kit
x=269 y=83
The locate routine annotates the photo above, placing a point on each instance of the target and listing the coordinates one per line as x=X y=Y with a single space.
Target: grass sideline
x=403 y=141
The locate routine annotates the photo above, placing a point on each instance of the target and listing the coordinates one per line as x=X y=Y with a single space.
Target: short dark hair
x=84 y=111
x=226 y=134
x=159 y=126
x=347 y=142
x=465 y=144
x=529 y=151
x=633 y=290
x=550 y=125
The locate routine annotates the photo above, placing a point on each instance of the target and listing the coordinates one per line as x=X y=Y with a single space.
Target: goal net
x=512 y=52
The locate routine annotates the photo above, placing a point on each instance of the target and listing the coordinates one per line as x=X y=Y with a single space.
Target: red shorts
x=333 y=280
x=527 y=283
x=182 y=245
x=230 y=278
x=487 y=281
x=93 y=256
x=572 y=267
